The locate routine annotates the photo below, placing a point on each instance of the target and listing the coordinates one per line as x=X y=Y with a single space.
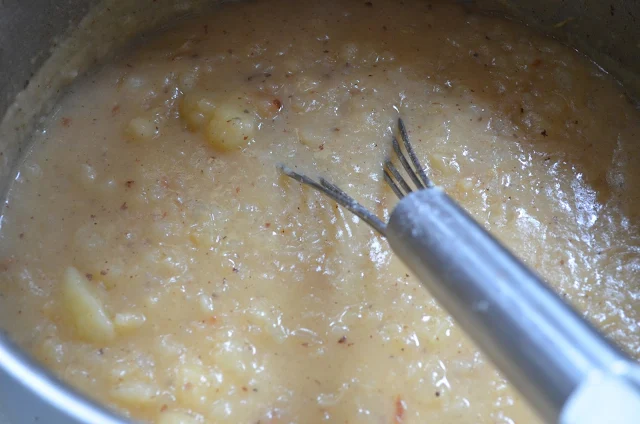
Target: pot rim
x=40 y=382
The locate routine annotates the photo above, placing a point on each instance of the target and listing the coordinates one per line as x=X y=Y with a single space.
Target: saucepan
x=46 y=44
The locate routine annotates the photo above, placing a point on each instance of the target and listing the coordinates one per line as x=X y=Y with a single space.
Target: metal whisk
x=567 y=370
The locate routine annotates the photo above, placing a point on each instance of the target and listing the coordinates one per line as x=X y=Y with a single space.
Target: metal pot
x=45 y=44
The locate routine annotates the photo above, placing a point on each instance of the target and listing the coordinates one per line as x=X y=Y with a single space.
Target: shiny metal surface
x=607 y=31
x=541 y=345
x=27 y=32
x=28 y=393
x=556 y=359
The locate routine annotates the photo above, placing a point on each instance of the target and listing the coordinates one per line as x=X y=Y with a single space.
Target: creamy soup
x=153 y=257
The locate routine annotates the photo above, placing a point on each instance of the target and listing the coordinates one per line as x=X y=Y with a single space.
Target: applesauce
x=153 y=257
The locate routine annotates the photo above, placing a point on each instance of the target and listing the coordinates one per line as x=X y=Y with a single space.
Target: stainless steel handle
x=539 y=342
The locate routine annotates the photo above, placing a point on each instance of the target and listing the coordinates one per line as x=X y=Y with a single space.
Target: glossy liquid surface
x=153 y=256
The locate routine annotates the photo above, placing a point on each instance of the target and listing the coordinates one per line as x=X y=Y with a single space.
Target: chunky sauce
x=152 y=256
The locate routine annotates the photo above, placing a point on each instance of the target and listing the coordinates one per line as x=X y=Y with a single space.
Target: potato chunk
x=85 y=309
x=128 y=321
x=146 y=126
x=231 y=127
x=134 y=393
x=194 y=384
x=176 y=418
x=141 y=129
x=196 y=110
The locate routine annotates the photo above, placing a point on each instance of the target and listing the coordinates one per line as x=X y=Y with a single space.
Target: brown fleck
x=305 y=344
x=437 y=394
x=66 y=122
x=544 y=133
x=561 y=261
x=164 y=408
x=235 y=270
x=129 y=183
x=399 y=410
x=206 y=29
x=124 y=206
x=267 y=224
x=237 y=189
x=321 y=147
x=277 y=103
x=536 y=62
x=103 y=272
x=368 y=4
x=244 y=389
x=21 y=235
x=89 y=276
x=115 y=110
x=342 y=339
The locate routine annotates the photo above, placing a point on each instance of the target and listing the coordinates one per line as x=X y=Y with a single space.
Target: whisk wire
x=405 y=164
x=412 y=155
x=339 y=196
x=406 y=189
x=389 y=180
x=392 y=176
x=333 y=187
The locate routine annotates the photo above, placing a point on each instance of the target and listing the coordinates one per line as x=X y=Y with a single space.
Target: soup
x=154 y=257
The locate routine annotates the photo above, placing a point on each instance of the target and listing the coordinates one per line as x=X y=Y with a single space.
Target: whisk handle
x=553 y=356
